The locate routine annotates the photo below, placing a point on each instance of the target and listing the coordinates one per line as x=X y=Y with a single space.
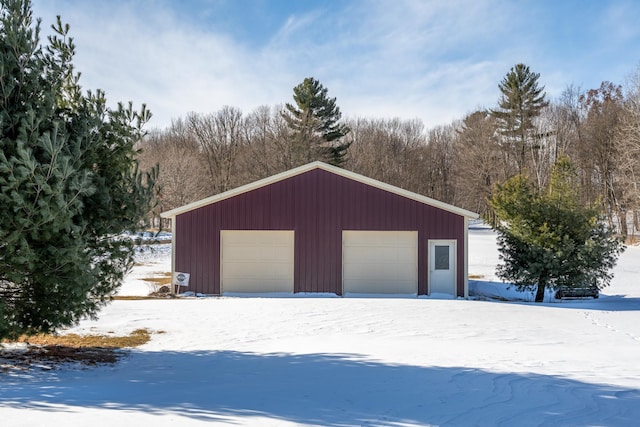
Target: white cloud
x=401 y=70
x=432 y=60
x=153 y=58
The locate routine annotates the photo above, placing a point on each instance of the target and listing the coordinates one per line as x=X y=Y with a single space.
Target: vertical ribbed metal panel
x=318 y=205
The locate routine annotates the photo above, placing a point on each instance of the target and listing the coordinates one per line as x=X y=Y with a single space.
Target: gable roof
x=326 y=167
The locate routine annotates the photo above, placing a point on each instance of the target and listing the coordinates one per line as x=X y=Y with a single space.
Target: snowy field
x=353 y=361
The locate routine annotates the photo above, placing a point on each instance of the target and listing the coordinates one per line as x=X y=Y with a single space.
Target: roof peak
x=306 y=168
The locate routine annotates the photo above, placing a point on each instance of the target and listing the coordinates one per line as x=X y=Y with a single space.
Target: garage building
x=321 y=229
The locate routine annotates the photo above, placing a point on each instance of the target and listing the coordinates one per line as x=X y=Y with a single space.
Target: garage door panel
x=384 y=254
x=262 y=253
x=266 y=271
x=244 y=285
x=397 y=287
x=384 y=271
x=378 y=238
x=380 y=262
x=257 y=261
x=253 y=237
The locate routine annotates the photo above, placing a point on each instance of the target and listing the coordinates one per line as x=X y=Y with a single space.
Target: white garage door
x=380 y=262
x=256 y=261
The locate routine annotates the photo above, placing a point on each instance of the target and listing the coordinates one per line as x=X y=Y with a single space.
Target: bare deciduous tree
x=480 y=162
x=269 y=143
x=384 y=149
x=219 y=136
x=600 y=156
x=178 y=155
x=627 y=140
x=432 y=170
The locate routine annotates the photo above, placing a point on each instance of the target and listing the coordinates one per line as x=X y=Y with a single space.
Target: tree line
x=460 y=163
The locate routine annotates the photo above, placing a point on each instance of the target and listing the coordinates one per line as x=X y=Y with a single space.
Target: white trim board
x=318 y=165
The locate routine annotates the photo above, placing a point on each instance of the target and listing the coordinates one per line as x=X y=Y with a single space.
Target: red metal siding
x=318 y=205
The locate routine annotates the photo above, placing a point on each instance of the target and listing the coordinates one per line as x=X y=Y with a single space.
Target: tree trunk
x=540 y=292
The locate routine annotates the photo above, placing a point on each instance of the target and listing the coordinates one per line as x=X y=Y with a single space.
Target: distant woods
x=460 y=163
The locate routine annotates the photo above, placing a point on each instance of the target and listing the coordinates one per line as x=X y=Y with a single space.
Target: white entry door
x=442 y=267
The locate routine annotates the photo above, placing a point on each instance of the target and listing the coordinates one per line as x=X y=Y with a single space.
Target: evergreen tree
x=316 y=131
x=69 y=182
x=521 y=101
x=547 y=239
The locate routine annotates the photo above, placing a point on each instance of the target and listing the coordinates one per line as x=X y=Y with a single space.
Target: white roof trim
x=318 y=165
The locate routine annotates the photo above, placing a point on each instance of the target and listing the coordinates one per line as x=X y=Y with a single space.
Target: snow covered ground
x=353 y=361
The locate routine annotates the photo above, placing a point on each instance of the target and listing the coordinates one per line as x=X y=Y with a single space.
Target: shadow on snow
x=495 y=291
x=321 y=389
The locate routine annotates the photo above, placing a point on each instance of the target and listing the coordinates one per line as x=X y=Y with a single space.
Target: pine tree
x=521 y=100
x=314 y=122
x=69 y=182
x=547 y=239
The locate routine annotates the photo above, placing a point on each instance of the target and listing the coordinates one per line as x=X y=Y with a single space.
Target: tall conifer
x=521 y=100
x=315 y=125
x=68 y=179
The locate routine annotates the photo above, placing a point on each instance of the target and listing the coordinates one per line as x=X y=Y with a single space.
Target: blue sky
x=432 y=60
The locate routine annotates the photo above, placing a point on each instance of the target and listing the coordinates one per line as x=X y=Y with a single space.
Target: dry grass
x=476 y=276
x=134 y=339
x=163 y=280
x=161 y=284
x=50 y=351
